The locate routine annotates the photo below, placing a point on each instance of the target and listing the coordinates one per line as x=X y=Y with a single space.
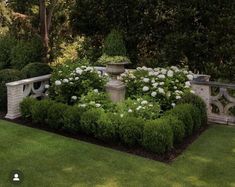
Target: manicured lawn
x=51 y=160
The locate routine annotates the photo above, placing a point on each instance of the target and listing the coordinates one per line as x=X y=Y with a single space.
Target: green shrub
x=6 y=44
x=89 y=120
x=36 y=69
x=196 y=116
x=72 y=119
x=25 y=52
x=105 y=128
x=26 y=107
x=199 y=103
x=114 y=44
x=40 y=111
x=182 y=112
x=6 y=76
x=56 y=115
x=177 y=127
x=157 y=136
x=131 y=130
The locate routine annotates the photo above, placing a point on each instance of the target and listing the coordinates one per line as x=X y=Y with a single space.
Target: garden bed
x=167 y=158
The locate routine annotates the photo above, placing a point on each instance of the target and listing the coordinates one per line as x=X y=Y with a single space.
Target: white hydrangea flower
x=190 y=77
x=146 y=80
x=98 y=105
x=161 y=83
x=178 y=97
x=71 y=83
x=156 y=73
x=47 y=86
x=151 y=73
x=153 y=94
x=161 y=76
x=187 y=83
x=76 y=78
x=145 y=88
x=74 y=98
x=163 y=71
x=70 y=78
x=138 y=108
x=175 y=87
x=144 y=102
x=79 y=71
x=161 y=90
x=121 y=115
x=153 y=81
x=170 y=73
x=60 y=71
x=57 y=83
x=96 y=90
x=177 y=81
x=173 y=104
x=129 y=110
x=168 y=94
x=155 y=85
x=65 y=80
x=92 y=102
x=192 y=91
x=83 y=105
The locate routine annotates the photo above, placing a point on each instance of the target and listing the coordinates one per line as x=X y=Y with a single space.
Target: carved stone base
x=116 y=90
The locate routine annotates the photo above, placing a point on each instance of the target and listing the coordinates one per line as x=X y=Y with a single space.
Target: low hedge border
x=157 y=136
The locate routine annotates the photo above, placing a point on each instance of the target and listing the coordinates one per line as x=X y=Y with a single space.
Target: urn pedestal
x=115 y=88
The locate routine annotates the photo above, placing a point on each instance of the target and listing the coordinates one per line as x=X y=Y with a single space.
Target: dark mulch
x=167 y=158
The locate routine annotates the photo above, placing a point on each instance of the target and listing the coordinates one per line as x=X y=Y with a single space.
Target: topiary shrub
x=177 y=127
x=40 y=111
x=72 y=119
x=198 y=102
x=6 y=76
x=182 y=112
x=6 y=44
x=36 y=69
x=131 y=130
x=89 y=120
x=196 y=116
x=157 y=136
x=26 y=107
x=105 y=128
x=25 y=52
x=56 y=115
x=114 y=44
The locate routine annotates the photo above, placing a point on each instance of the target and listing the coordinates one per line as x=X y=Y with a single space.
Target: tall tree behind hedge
x=196 y=33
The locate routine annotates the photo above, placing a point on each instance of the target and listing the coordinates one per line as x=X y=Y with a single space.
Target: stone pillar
x=15 y=94
x=116 y=90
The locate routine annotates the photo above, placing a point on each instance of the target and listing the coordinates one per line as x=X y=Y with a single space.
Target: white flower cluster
x=159 y=83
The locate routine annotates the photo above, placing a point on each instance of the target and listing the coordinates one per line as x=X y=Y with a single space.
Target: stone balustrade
x=218 y=106
x=18 y=90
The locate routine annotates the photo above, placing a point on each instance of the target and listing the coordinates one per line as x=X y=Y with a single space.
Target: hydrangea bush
x=70 y=82
x=163 y=85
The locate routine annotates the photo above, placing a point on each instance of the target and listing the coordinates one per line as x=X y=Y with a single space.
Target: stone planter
x=116 y=88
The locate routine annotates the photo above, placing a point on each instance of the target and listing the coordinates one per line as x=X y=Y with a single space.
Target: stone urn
x=116 y=88
x=201 y=77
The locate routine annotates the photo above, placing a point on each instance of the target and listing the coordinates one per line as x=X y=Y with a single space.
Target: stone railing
x=218 y=105
x=18 y=90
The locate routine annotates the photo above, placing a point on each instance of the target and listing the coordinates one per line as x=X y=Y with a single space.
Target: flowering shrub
x=163 y=85
x=70 y=82
x=96 y=99
x=139 y=108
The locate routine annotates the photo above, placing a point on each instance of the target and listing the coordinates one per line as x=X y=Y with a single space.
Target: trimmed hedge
x=26 y=107
x=177 y=127
x=158 y=136
x=131 y=130
x=183 y=113
x=7 y=75
x=56 y=115
x=105 y=128
x=40 y=111
x=36 y=69
x=198 y=102
x=72 y=119
x=89 y=121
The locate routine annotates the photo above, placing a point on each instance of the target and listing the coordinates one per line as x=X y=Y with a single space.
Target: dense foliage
x=195 y=33
x=36 y=69
x=7 y=75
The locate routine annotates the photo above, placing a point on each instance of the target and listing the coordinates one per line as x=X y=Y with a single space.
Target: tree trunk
x=43 y=28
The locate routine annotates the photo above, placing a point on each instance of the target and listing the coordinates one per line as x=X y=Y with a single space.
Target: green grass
x=48 y=159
